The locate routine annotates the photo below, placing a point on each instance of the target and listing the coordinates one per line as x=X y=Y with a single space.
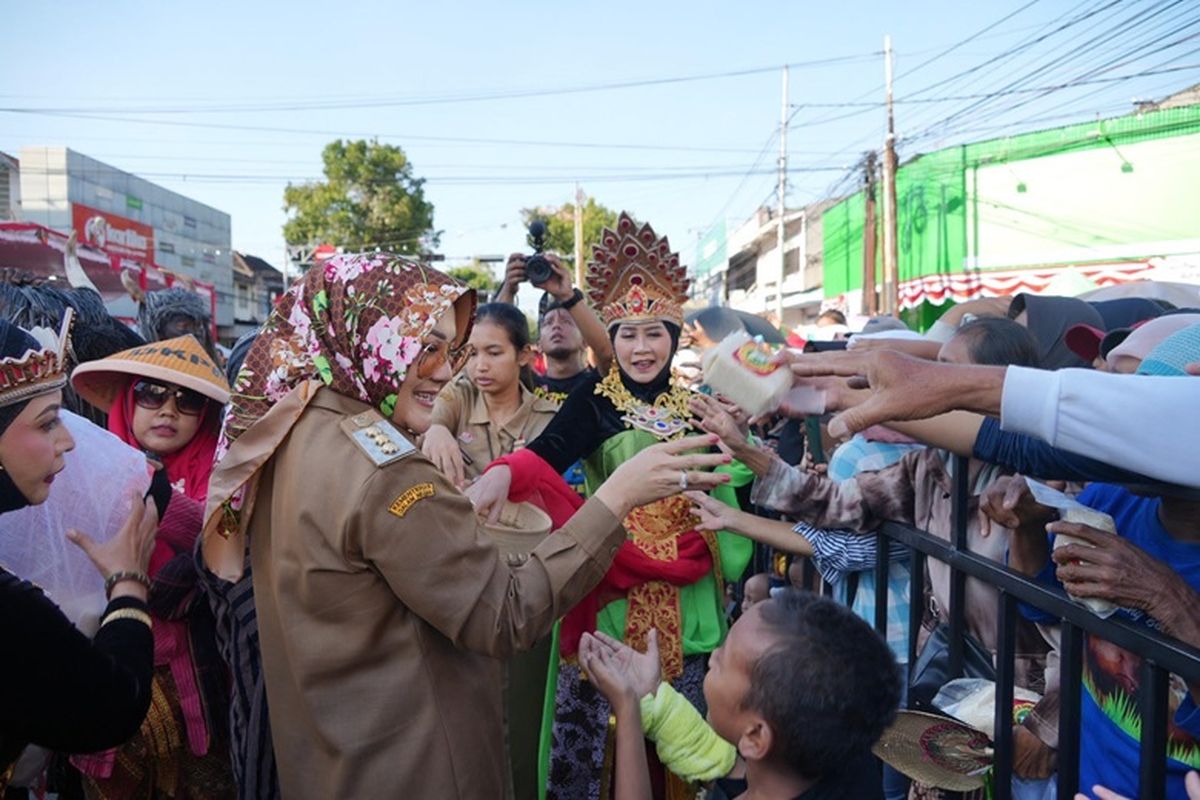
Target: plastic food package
x=740 y=369
x=91 y=495
x=1072 y=511
x=973 y=701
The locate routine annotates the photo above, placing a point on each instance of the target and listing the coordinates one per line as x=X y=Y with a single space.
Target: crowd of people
x=284 y=583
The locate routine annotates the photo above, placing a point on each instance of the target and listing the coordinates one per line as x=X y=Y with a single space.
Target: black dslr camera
x=537 y=267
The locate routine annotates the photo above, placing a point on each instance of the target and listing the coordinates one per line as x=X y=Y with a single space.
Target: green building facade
x=970 y=218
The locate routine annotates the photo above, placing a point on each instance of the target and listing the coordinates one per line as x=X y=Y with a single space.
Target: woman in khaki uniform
x=483 y=414
x=382 y=608
x=490 y=411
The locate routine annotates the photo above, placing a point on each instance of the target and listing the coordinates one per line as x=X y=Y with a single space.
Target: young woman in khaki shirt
x=490 y=411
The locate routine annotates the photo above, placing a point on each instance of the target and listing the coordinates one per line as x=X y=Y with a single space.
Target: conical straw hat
x=181 y=361
x=936 y=750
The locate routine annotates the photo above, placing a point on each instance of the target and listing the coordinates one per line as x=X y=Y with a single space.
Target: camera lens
x=537 y=269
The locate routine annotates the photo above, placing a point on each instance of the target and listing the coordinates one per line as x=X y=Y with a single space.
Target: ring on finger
x=683 y=480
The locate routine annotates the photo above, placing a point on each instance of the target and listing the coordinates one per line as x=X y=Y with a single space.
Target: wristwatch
x=576 y=296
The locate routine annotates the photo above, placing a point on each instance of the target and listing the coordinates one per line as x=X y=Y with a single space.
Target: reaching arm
x=442 y=567
x=686 y=744
x=1087 y=412
x=715 y=516
x=514 y=273
x=860 y=504
x=594 y=335
x=1081 y=411
x=955 y=431
x=903 y=388
x=1038 y=459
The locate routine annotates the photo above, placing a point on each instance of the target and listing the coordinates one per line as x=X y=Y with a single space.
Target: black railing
x=1161 y=654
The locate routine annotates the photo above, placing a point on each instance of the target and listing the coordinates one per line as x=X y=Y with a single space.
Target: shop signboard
x=118 y=235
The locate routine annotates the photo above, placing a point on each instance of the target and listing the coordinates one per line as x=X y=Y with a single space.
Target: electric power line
x=464 y=97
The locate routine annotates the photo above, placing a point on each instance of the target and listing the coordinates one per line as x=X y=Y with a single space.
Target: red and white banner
x=962 y=286
x=113 y=233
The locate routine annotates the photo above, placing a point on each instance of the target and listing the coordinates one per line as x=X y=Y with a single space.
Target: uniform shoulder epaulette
x=377 y=437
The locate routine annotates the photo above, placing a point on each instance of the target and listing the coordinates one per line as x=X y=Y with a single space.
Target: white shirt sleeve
x=1147 y=424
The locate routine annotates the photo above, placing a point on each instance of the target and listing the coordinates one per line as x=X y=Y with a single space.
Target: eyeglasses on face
x=152 y=395
x=436 y=353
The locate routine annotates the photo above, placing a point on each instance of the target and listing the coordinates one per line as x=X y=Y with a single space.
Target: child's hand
x=618 y=671
x=713 y=514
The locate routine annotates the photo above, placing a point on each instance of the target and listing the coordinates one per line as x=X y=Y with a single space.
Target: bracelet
x=125 y=575
x=576 y=296
x=128 y=613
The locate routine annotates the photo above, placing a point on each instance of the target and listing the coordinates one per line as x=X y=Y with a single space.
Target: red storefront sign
x=116 y=234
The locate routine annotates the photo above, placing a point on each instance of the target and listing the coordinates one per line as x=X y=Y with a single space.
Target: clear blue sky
x=112 y=59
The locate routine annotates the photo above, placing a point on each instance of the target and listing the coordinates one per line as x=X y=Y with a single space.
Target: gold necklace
x=668 y=417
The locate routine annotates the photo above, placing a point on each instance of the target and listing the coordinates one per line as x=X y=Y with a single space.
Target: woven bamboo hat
x=522 y=526
x=181 y=361
x=936 y=750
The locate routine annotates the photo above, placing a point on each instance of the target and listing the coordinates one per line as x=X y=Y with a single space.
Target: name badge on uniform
x=377 y=438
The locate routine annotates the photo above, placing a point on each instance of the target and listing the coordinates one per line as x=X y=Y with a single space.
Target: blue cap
x=1173 y=354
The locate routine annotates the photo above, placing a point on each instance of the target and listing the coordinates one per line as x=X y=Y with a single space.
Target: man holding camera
x=567 y=326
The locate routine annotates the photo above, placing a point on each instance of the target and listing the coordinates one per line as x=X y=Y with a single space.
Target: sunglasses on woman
x=153 y=396
x=434 y=354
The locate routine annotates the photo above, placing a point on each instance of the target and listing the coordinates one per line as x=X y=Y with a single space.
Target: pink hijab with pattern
x=354 y=325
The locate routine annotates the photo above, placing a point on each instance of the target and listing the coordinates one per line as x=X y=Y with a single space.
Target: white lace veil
x=91 y=494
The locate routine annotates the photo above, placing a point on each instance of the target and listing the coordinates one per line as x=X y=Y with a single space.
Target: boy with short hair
x=801 y=690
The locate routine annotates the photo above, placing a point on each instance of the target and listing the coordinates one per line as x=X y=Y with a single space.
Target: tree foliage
x=370 y=198
x=560 y=224
x=477 y=276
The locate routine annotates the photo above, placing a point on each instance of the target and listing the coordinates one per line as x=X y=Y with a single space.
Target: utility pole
x=802 y=261
x=891 y=288
x=783 y=126
x=869 y=305
x=578 y=236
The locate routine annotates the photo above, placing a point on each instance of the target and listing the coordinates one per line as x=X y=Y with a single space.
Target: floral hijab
x=355 y=325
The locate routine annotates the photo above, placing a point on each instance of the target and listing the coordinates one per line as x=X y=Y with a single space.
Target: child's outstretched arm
x=609 y=672
x=685 y=743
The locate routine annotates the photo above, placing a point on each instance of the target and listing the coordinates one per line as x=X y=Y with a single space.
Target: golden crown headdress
x=37 y=371
x=634 y=277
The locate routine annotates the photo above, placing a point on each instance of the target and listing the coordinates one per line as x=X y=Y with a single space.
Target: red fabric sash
x=534 y=481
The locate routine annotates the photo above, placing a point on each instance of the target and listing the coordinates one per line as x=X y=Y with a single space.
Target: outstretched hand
x=618 y=671
x=713 y=514
x=902 y=387
x=1009 y=502
x=663 y=470
x=716 y=418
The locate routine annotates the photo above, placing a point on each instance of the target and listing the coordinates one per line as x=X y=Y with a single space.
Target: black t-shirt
x=557 y=389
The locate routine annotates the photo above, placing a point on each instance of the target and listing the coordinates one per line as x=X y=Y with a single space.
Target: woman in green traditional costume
x=668 y=576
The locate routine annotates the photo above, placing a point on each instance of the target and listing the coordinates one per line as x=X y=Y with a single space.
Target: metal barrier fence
x=1161 y=655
